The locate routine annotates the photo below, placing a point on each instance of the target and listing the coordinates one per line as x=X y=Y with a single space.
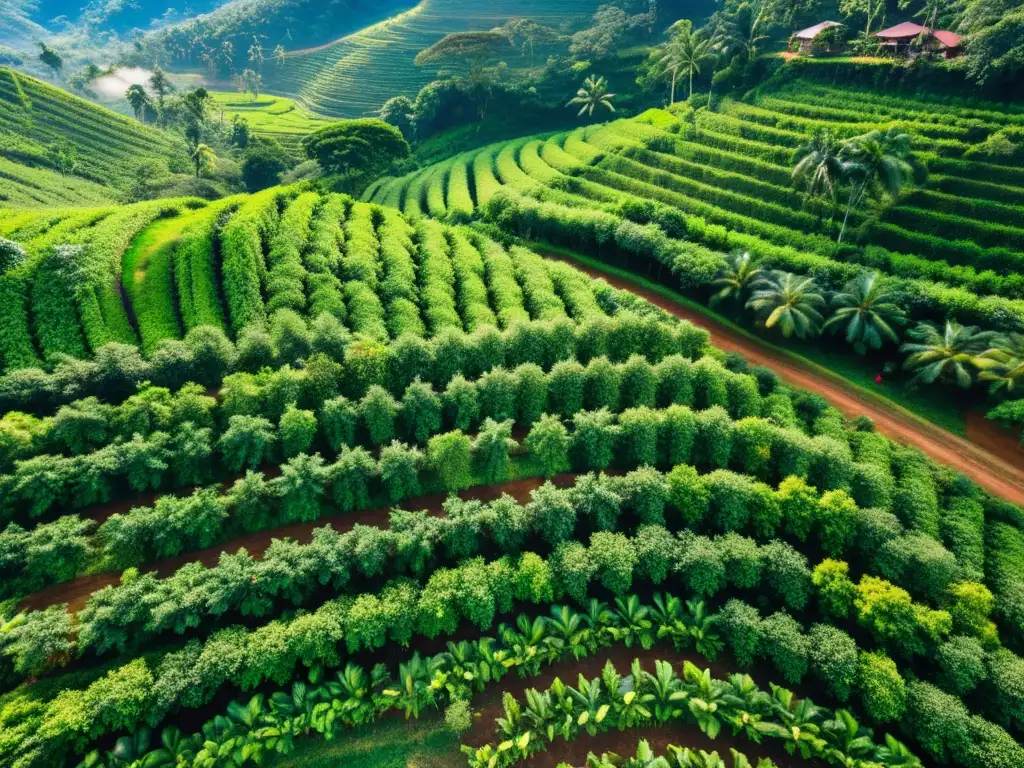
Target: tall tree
x=1003 y=364
x=591 y=95
x=161 y=85
x=252 y=82
x=137 y=99
x=789 y=302
x=876 y=163
x=203 y=159
x=279 y=55
x=867 y=312
x=684 y=53
x=872 y=11
x=357 y=149
x=738 y=274
x=256 y=53
x=949 y=355
x=526 y=33
x=819 y=166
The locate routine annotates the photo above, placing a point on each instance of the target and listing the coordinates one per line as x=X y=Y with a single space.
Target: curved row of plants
x=905 y=628
x=482 y=410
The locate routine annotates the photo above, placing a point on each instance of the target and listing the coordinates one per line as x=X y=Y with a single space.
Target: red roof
x=812 y=32
x=906 y=29
x=948 y=39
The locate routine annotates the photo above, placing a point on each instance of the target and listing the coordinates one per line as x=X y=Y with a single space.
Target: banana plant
x=223 y=746
x=599 y=618
x=707 y=700
x=512 y=724
x=415 y=688
x=645 y=758
x=684 y=757
x=592 y=710
x=487 y=756
x=531 y=644
x=635 y=625
x=747 y=705
x=849 y=743
x=667 y=614
x=542 y=716
x=568 y=626
x=563 y=704
x=699 y=623
x=345 y=699
x=800 y=730
x=632 y=705
x=667 y=690
x=492 y=665
x=464 y=669
x=895 y=753
x=292 y=711
x=175 y=751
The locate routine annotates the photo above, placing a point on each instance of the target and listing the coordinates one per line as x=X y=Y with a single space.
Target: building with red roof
x=910 y=39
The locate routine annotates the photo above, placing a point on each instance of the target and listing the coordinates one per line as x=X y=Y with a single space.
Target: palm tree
x=790 y=302
x=684 y=54
x=592 y=95
x=279 y=54
x=137 y=99
x=735 y=276
x=866 y=310
x=946 y=355
x=1003 y=365
x=819 y=165
x=877 y=162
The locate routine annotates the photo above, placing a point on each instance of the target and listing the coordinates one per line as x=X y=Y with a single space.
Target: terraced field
x=713 y=182
x=202 y=538
x=34 y=114
x=356 y=75
x=273 y=117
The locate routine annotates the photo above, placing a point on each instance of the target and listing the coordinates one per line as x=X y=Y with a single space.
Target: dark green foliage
x=833 y=658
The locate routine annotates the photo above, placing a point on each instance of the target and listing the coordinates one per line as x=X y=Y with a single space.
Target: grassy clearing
x=388 y=744
x=271 y=117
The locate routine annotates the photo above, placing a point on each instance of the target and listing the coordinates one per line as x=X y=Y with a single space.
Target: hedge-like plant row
x=158 y=440
x=199 y=298
x=243 y=265
x=399 y=287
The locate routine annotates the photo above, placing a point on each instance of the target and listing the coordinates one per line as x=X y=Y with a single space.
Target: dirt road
x=1002 y=474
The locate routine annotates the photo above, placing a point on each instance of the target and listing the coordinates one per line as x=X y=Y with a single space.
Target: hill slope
x=34 y=114
x=356 y=74
x=954 y=245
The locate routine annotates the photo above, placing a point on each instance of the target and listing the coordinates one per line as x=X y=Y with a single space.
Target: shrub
x=297 y=430
x=548 y=444
x=883 y=692
x=458 y=718
x=833 y=659
x=961 y=662
x=783 y=641
x=449 y=456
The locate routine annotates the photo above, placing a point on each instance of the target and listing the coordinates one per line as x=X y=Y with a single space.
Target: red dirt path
x=987 y=457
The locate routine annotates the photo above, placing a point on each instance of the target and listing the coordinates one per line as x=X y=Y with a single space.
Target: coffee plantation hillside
x=59 y=149
x=222 y=532
x=355 y=75
x=684 y=188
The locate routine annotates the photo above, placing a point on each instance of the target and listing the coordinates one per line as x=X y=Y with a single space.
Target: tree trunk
x=849 y=207
x=672 y=101
x=690 y=94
